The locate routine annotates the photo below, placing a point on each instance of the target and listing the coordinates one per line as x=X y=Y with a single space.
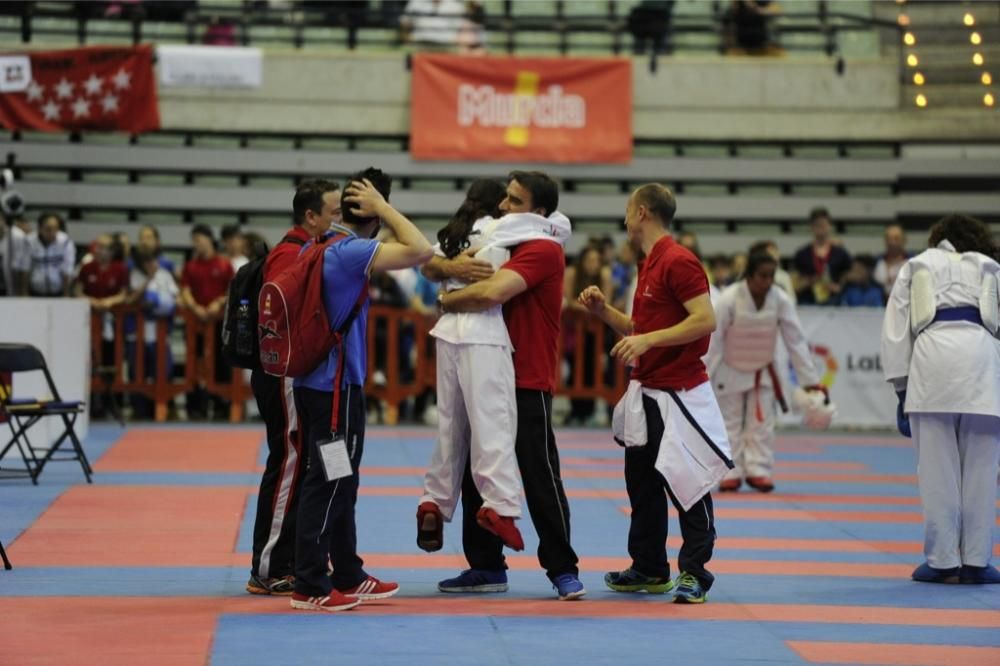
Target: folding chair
x=23 y=413
x=6 y=563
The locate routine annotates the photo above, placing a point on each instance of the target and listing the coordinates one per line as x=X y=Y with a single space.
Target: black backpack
x=240 y=344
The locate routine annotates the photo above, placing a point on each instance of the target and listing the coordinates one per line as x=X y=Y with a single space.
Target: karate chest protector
x=975 y=274
x=750 y=341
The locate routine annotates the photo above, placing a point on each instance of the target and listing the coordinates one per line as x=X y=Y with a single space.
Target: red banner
x=521 y=109
x=96 y=88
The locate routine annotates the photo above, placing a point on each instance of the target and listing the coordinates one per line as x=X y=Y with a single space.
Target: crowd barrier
x=401 y=362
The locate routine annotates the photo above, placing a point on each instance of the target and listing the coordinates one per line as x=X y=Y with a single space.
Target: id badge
x=336 y=462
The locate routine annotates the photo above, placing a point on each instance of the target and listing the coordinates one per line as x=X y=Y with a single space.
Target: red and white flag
x=96 y=88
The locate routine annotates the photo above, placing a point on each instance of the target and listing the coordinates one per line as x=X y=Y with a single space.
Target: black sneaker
x=277 y=587
x=631 y=580
x=689 y=590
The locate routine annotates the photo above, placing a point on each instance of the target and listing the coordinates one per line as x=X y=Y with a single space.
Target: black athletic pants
x=647 y=493
x=326 y=530
x=278 y=497
x=538 y=460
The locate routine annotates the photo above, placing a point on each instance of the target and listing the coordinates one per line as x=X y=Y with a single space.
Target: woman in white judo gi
x=477 y=415
x=749 y=317
x=941 y=353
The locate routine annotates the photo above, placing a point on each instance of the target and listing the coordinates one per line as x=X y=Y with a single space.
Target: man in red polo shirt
x=530 y=288
x=669 y=421
x=315 y=206
x=204 y=285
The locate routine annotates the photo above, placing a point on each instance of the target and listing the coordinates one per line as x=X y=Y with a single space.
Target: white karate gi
x=742 y=348
x=951 y=374
x=476 y=402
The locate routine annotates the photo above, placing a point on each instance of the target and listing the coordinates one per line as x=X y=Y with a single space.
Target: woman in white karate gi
x=749 y=317
x=941 y=353
x=477 y=408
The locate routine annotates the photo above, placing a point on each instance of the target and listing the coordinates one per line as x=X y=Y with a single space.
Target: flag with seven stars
x=97 y=88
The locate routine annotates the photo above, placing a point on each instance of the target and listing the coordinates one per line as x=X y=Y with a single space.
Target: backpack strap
x=293 y=240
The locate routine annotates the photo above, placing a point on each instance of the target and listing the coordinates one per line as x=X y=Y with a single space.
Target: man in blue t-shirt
x=325 y=527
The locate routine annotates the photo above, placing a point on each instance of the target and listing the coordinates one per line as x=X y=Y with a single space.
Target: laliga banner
x=845 y=344
x=508 y=109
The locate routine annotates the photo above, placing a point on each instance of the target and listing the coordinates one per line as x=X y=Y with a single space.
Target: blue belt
x=968 y=313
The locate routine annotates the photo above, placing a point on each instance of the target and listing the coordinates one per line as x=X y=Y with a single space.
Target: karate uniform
x=477 y=407
x=740 y=363
x=950 y=371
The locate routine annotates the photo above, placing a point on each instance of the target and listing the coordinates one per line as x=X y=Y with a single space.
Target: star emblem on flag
x=109 y=103
x=81 y=108
x=64 y=89
x=35 y=91
x=92 y=85
x=51 y=111
x=122 y=80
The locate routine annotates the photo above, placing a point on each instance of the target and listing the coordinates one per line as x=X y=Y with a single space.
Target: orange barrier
x=409 y=360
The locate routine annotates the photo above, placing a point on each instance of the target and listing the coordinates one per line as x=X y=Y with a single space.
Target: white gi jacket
x=950 y=366
x=493 y=238
x=49 y=267
x=741 y=329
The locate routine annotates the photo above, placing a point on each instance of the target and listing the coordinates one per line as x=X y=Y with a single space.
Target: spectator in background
x=689 y=240
x=861 y=289
x=888 y=265
x=234 y=244
x=588 y=270
x=204 y=284
x=781 y=277
x=433 y=24
x=748 y=26
x=820 y=266
x=649 y=22
x=49 y=259
x=13 y=244
x=149 y=240
x=720 y=271
x=155 y=290
x=738 y=267
x=256 y=246
x=623 y=272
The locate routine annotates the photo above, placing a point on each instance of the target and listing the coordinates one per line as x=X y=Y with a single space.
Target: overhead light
x=977 y=59
x=921 y=101
x=909 y=39
x=969 y=20
x=988 y=99
x=975 y=38
x=918 y=78
x=912 y=60
x=986 y=78
x=903 y=19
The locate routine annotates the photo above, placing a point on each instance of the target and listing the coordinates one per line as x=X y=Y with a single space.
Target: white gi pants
x=957 y=457
x=477 y=416
x=752 y=439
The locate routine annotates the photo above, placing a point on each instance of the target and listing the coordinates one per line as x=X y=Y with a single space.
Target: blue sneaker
x=925 y=573
x=688 y=590
x=970 y=575
x=569 y=586
x=476 y=580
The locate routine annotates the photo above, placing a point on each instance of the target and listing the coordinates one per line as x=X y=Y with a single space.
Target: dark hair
x=966 y=233
x=47 y=214
x=817 y=213
x=203 y=230
x=309 y=196
x=230 y=230
x=756 y=258
x=381 y=182
x=581 y=281
x=256 y=246
x=156 y=232
x=658 y=200
x=483 y=198
x=544 y=190
x=142 y=256
x=720 y=260
x=866 y=260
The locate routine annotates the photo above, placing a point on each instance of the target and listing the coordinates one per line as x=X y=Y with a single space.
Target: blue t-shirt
x=345 y=274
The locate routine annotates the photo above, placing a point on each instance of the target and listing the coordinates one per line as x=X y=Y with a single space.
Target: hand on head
x=366 y=199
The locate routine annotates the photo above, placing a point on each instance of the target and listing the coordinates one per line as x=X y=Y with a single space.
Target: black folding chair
x=23 y=413
x=6 y=563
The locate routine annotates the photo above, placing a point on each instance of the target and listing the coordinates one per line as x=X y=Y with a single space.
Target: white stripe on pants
x=957 y=457
x=752 y=440
x=477 y=416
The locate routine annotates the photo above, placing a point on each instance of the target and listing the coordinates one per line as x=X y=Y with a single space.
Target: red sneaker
x=335 y=601
x=502 y=526
x=371 y=588
x=729 y=485
x=762 y=483
x=430 y=527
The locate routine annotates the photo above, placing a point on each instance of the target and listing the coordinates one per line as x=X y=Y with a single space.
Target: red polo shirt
x=103 y=281
x=208 y=279
x=533 y=316
x=283 y=254
x=670 y=276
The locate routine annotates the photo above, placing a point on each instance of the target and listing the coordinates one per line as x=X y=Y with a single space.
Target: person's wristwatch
x=440 y=302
